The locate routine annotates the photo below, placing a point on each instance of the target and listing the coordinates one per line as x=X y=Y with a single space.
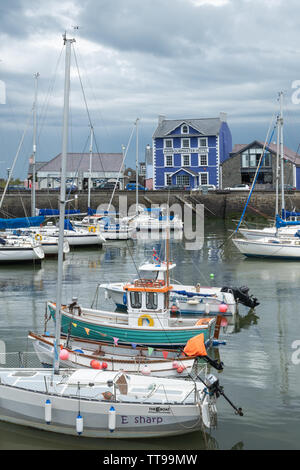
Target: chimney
x=161 y=118
x=223 y=117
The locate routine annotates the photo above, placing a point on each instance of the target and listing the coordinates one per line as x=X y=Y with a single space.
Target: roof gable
x=205 y=127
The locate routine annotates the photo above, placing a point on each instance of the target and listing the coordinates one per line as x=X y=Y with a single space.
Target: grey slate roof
x=101 y=162
x=38 y=165
x=205 y=126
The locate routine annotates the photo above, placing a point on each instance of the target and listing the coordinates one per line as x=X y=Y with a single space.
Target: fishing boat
x=98 y=403
x=186 y=299
x=76 y=353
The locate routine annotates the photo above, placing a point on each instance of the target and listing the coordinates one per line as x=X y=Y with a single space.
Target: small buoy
x=180 y=369
x=104 y=365
x=64 y=355
x=207 y=308
x=95 y=364
x=48 y=411
x=112 y=419
x=175 y=365
x=79 y=424
x=223 y=308
x=146 y=370
x=212 y=275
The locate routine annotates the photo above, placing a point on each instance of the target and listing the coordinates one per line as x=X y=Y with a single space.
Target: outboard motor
x=241 y=295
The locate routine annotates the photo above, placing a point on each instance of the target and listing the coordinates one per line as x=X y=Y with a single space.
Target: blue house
x=188 y=152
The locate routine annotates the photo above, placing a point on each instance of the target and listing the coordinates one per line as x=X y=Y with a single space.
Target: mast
x=277 y=170
x=33 y=202
x=137 y=169
x=62 y=202
x=281 y=155
x=90 y=169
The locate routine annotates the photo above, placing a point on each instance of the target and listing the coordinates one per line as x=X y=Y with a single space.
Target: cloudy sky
x=140 y=59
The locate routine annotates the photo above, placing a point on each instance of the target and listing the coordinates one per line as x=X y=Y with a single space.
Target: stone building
x=241 y=166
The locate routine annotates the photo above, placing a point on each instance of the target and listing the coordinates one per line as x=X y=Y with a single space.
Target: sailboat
x=98 y=403
x=282 y=240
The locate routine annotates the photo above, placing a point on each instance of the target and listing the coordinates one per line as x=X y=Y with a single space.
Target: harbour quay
x=220 y=203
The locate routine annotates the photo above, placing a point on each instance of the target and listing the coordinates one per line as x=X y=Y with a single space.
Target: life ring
x=92 y=229
x=203 y=321
x=38 y=237
x=147 y=317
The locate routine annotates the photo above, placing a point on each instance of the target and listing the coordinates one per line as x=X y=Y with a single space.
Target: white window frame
x=181 y=176
x=185 y=138
x=165 y=143
x=199 y=144
x=166 y=178
x=166 y=157
x=182 y=159
x=182 y=127
x=203 y=155
x=200 y=177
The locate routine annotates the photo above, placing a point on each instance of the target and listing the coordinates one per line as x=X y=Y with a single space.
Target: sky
x=141 y=59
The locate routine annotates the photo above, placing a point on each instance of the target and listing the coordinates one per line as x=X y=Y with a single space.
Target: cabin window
x=151 y=300
x=136 y=299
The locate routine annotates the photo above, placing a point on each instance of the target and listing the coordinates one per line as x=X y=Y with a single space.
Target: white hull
x=253 y=234
x=20 y=254
x=269 y=248
x=111 y=405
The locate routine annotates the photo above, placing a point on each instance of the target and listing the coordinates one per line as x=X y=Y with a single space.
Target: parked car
x=205 y=187
x=132 y=187
x=238 y=187
x=288 y=187
x=108 y=185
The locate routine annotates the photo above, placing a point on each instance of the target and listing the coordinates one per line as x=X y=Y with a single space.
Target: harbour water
x=260 y=374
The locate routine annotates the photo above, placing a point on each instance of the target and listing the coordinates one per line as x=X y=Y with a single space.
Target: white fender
x=48 y=411
x=112 y=419
x=79 y=424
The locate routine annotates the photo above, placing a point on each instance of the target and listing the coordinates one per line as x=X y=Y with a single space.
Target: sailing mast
x=33 y=202
x=137 y=169
x=281 y=156
x=62 y=202
x=90 y=168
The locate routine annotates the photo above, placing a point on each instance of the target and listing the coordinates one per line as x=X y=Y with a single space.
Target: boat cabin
x=147 y=303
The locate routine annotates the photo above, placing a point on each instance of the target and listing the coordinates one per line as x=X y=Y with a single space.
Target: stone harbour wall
x=216 y=203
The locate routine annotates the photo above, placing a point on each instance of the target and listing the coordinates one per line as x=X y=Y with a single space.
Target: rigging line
x=16 y=157
x=121 y=167
x=44 y=107
x=92 y=91
x=87 y=109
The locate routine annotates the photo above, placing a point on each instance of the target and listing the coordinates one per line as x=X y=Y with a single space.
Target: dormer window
x=184 y=129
